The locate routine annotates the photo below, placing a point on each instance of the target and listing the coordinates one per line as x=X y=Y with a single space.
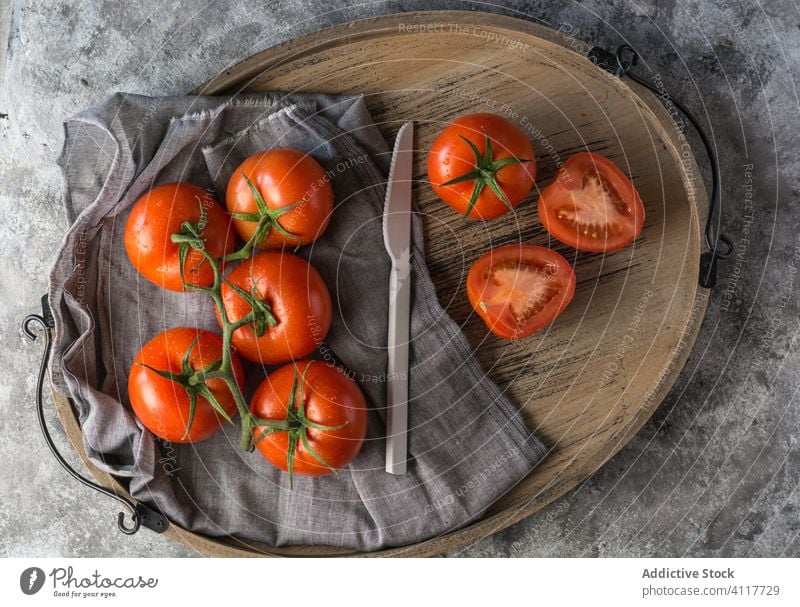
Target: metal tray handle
x=140 y=513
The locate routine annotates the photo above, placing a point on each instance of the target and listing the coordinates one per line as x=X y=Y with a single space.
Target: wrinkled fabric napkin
x=467 y=441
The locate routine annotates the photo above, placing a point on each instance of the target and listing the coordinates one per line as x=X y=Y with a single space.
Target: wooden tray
x=588 y=384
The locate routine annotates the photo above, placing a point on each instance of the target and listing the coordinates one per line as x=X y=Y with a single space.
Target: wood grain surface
x=588 y=383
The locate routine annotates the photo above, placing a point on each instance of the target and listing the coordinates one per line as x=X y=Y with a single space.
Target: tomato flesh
x=522 y=290
x=591 y=205
x=518 y=289
x=596 y=208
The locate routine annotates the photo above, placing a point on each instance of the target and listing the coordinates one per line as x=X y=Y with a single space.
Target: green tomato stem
x=189 y=237
x=296 y=423
x=484 y=173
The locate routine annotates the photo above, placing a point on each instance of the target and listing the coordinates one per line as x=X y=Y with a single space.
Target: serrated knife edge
x=397 y=207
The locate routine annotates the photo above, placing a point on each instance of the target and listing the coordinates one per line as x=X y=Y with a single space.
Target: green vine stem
x=261 y=317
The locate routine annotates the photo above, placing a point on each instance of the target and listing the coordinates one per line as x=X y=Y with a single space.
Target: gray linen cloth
x=468 y=442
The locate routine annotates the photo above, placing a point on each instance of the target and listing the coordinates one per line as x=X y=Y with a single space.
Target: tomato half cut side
x=591 y=205
x=518 y=289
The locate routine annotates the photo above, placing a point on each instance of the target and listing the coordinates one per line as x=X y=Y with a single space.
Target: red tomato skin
x=299 y=300
x=283 y=176
x=161 y=405
x=451 y=157
x=331 y=398
x=568 y=178
x=156 y=216
x=508 y=328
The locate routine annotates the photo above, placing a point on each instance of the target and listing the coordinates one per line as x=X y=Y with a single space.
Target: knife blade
x=397 y=239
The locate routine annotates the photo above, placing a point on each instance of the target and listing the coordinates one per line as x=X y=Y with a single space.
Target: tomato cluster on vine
x=273 y=307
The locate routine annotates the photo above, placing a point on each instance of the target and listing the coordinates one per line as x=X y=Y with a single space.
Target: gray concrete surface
x=715 y=472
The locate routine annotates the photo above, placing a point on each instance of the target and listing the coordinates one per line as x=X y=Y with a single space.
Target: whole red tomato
x=482 y=165
x=283 y=194
x=289 y=300
x=591 y=205
x=162 y=212
x=518 y=289
x=323 y=415
x=162 y=405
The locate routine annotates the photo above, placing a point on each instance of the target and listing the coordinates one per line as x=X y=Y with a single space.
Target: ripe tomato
x=518 y=289
x=159 y=214
x=591 y=205
x=293 y=307
x=482 y=166
x=324 y=414
x=288 y=198
x=163 y=405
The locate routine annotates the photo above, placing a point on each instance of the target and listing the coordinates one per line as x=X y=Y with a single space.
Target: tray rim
x=241 y=73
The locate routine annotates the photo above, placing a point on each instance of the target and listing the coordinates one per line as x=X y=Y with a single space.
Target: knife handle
x=397 y=368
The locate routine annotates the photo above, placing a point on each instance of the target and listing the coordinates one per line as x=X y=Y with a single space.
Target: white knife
x=397 y=238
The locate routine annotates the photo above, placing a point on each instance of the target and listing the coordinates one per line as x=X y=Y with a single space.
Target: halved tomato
x=591 y=205
x=518 y=289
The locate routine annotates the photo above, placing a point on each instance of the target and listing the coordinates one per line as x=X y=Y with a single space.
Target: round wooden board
x=588 y=383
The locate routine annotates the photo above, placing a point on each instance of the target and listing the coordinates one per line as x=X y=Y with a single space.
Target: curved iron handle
x=619 y=63
x=139 y=513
